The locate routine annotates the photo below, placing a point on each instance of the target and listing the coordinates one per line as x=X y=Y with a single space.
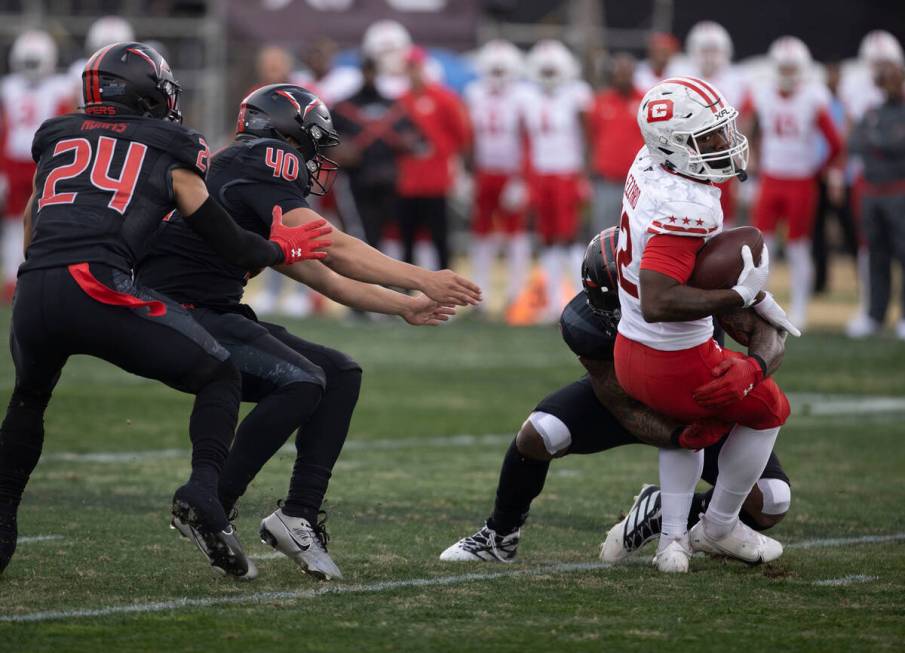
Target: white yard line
x=845 y=580
x=386 y=586
x=38 y=538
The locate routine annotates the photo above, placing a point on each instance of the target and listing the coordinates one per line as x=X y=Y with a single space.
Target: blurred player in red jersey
x=426 y=171
x=31 y=94
x=665 y=354
x=791 y=114
x=554 y=113
x=498 y=153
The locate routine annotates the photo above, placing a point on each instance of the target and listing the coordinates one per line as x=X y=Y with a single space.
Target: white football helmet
x=387 y=43
x=550 y=63
x=34 y=54
x=792 y=61
x=879 y=46
x=689 y=127
x=709 y=46
x=499 y=62
x=107 y=30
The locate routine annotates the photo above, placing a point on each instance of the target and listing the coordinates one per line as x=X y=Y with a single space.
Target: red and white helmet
x=107 y=30
x=34 y=54
x=387 y=42
x=679 y=115
x=879 y=46
x=499 y=62
x=792 y=61
x=709 y=46
x=550 y=63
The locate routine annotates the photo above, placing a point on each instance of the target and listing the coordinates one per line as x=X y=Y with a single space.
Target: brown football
x=720 y=260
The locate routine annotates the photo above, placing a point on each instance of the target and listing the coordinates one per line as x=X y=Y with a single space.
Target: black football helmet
x=130 y=78
x=600 y=278
x=285 y=111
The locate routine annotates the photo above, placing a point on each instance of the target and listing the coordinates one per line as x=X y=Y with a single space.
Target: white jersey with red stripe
x=858 y=92
x=25 y=105
x=657 y=201
x=730 y=81
x=790 y=135
x=645 y=78
x=496 y=120
x=553 y=121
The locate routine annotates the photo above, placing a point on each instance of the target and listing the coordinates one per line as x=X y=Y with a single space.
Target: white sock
x=426 y=255
x=551 y=259
x=483 y=251
x=742 y=460
x=680 y=470
x=801 y=278
x=13 y=233
x=518 y=259
x=864 y=279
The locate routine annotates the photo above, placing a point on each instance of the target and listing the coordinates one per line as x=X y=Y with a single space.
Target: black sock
x=212 y=424
x=21 y=441
x=699 y=504
x=521 y=481
x=320 y=442
x=263 y=432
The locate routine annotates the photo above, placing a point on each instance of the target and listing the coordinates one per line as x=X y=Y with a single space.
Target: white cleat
x=304 y=544
x=640 y=526
x=673 y=558
x=862 y=326
x=484 y=546
x=742 y=543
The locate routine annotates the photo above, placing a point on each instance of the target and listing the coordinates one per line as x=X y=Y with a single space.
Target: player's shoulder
x=264 y=160
x=578 y=91
x=586 y=333
x=817 y=94
x=182 y=143
x=68 y=125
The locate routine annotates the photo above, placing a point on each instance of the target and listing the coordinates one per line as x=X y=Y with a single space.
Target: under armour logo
x=749 y=389
x=296 y=252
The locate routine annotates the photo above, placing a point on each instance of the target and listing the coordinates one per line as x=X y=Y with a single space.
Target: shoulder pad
x=586 y=333
x=53 y=130
x=271 y=160
x=686 y=218
x=183 y=144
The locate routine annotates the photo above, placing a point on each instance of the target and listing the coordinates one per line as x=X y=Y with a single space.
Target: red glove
x=736 y=377
x=700 y=434
x=299 y=243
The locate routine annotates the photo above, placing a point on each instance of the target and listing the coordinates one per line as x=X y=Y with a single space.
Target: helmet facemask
x=715 y=164
x=321 y=169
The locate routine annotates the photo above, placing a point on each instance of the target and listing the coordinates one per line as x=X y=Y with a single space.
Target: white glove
x=772 y=312
x=753 y=278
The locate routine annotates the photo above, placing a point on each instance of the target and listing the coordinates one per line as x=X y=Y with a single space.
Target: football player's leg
x=484 y=242
x=766 y=212
x=801 y=204
x=518 y=254
x=286 y=387
x=38 y=364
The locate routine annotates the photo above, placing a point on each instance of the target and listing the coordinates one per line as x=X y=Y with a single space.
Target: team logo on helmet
x=659 y=110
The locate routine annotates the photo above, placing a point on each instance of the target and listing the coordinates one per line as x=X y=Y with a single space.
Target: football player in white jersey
x=791 y=113
x=500 y=195
x=661 y=49
x=103 y=32
x=554 y=113
x=665 y=349
x=31 y=94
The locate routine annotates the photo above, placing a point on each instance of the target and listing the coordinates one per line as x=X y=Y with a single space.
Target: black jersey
x=247 y=178
x=585 y=332
x=103 y=185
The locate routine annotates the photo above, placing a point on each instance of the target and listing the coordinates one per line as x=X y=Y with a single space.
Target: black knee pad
x=212 y=371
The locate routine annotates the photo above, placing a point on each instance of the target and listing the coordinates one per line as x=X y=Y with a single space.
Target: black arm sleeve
x=240 y=247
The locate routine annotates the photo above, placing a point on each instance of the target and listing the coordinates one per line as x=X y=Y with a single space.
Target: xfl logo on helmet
x=659 y=110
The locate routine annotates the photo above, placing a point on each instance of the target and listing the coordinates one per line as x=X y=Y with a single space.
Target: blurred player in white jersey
x=554 y=112
x=31 y=94
x=791 y=114
x=709 y=48
x=661 y=48
x=500 y=195
x=104 y=31
x=665 y=347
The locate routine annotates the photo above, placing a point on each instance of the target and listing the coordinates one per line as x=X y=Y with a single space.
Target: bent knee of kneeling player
x=543 y=436
x=768 y=502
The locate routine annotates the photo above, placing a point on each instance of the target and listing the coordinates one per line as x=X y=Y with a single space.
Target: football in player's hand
x=720 y=260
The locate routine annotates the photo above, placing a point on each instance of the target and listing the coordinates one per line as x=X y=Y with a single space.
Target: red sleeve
x=831 y=134
x=673 y=256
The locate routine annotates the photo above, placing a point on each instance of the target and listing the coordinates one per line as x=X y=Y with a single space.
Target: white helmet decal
x=681 y=119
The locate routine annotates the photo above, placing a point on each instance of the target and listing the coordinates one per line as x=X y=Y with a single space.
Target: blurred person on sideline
x=32 y=93
x=105 y=31
x=879 y=139
x=833 y=197
x=615 y=139
x=498 y=155
x=791 y=114
x=371 y=126
x=555 y=112
x=426 y=170
x=332 y=84
x=661 y=48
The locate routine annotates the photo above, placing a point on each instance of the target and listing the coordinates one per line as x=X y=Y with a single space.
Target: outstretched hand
x=447 y=287
x=424 y=311
x=299 y=243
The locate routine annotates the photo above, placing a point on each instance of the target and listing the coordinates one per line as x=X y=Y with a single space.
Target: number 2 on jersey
x=122 y=187
x=624 y=255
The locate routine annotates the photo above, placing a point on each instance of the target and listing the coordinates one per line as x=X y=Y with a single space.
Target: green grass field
x=406 y=487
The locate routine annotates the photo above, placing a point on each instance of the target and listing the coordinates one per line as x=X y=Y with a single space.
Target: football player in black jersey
x=594 y=414
x=278 y=159
x=106 y=177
